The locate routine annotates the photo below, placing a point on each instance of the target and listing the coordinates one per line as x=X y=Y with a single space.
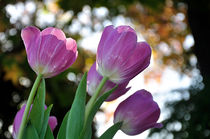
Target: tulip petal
x=115 y=44
x=65 y=58
x=138 y=61
x=55 y=32
x=117 y=93
x=52 y=122
x=31 y=38
x=17 y=121
x=29 y=35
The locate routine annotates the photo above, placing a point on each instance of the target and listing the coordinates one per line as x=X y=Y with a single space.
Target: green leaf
x=88 y=133
x=30 y=132
x=62 y=130
x=37 y=111
x=93 y=111
x=45 y=123
x=49 y=133
x=76 y=116
x=109 y=133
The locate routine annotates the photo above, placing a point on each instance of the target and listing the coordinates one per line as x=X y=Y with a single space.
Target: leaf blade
x=109 y=133
x=37 y=111
x=62 y=130
x=30 y=132
x=49 y=133
x=93 y=111
x=45 y=123
x=76 y=115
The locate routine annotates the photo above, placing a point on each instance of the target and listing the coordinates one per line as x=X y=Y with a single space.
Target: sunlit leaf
x=37 y=112
x=76 y=116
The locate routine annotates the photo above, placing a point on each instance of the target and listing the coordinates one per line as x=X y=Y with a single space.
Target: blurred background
x=178 y=77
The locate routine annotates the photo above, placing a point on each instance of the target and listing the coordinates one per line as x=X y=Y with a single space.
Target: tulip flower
x=119 y=56
x=18 y=118
x=94 y=79
x=138 y=113
x=49 y=52
x=52 y=122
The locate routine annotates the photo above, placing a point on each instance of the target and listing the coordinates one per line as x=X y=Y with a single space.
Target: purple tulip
x=94 y=79
x=52 y=122
x=119 y=56
x=49 y=52
x=18 y=118
x=138 y=113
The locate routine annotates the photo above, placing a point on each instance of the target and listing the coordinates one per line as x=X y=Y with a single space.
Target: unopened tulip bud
x=138 y=113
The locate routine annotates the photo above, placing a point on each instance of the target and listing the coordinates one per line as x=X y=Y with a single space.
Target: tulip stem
x=94 y=97
x=28 y=105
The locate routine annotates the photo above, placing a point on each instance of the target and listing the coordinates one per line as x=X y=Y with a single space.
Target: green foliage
x=45 y=123
x=87 y=133
x=62 y=130
x=86 y=130
x=37 y=112
x=75 y=119
x=109 y=133
x=38 y=121
x=30 y=132
x=49 y=134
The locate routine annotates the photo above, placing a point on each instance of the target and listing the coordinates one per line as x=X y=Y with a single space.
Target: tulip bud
x=138 y=113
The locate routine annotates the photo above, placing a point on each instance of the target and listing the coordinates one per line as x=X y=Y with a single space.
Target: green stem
x=28 y=105
x=94 y=97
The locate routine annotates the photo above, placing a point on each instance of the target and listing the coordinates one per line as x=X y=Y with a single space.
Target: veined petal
x=29 y=36
x=71 y=45
x=55 y=32
x=114 y=47
x=137 y=62
x=49 y=52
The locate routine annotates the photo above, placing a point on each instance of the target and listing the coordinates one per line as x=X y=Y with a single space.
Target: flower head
x=94 y=79
x=119 y=56
x=18 y=119
x=49 y=52
x=138 y=113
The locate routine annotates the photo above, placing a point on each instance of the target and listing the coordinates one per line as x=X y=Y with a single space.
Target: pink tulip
x=94 y=79
x=18 y=118
x=119 y=56
x=49 y=52
x=138 y=113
